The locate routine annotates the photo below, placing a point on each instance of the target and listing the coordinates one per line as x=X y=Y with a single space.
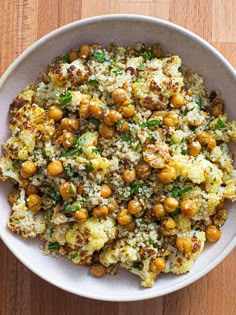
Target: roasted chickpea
x=31 y=189
x=28 y=169
x=122 y=126
x=129 y=176
x=112 y=206
x=73 y=55
x=106 y=131
x=80 y=190
x=70 y=124
x=135 y=208
x=34 y=202
x=97 y=270
x=67 y=139
x=101 y=211
x=184 y=244
x=188 y=208
x=55 y=113
x=127 y=110
x=156 y=50
x=194 y=148
x=124 y=217
x=84 y=108
x=167 y=174
x=97 y=108
x=119 y=95
x=213 y=234
x=55 y=168
x=158 y=265
x=211 y=143
x=130 y=226
x=170 y=120
x=81 y=215
x=217 y=108
x=206 y=139
x=158 y=210
x=84 y=51
x=67 y=190
x=177 y=100
x=112 y=117
x=13 y=196
x=105 y=191
x=168 y=227
x=143 y=171
x=171 y=204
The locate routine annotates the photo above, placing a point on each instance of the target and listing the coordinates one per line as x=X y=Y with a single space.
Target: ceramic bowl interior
x=122 y=30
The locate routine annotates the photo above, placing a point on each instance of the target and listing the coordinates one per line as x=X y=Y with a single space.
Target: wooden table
x=24 y=21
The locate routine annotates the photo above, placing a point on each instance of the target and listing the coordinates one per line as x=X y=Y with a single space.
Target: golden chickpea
x=124 y=217
x=184 y=244
x=67 y=139
x=31 y=189
x=112 y=206
x=188 y=208
x=156 y=50
x=34 y=202
x=105 y=191
x=206 y=139
x=55 y=168
x=170 y=120
x=119 y=95
x=13 y=196
x=55 y=113
x=217 y=108
x=213 y=234
x=81 y=215
x=101 y=211
x=158 y=265
x=158 y=210
x=84 y=51
x=171 y=204
x=127 y=110
x=28 y=169
x=194 y=148
x=130 y=226
x=97 y=108
x=211 y=143
x=73 y=55
x=84 y=108
x=177 y=100
x=167 y=174
x=70 y=124
x=122 y=126
x=106 y=131
x=135 y=208
x=112 y=117
x=80 y=190
x=143 y=171
x=168 y=224
x=129 y=176
x=97 y=270
x=67 y=190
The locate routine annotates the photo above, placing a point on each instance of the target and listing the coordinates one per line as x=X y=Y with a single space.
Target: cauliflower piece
x=25 y=97
x=157 y=155
x=88 y=142
x=100 y=166
x=6 y=170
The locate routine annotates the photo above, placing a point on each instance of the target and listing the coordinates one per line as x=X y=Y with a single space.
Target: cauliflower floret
x=6 y=170
x=157 y=155
x=88 y=142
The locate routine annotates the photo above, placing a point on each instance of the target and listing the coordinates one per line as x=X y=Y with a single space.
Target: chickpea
x=112 y=117
x=70 y=124
x=81 y=215
x=80 y=190
x=84 y=51
x=194 y=148
x=67 y=139
x=28 y=169
x=211 y=144
x=135 y=208
x=32 y=189
x=84 y=108
x=67 y=190
x=217 y=108
x=100 y=211
x=171 y=204
x=143 y=171
x=106 y=131
x=206 y=139
x=177 y=100
x=55 y=168
x=170 y=120
x=184 y=245
x=188 y=208
x=98 y=270
x=119 y=95
x=156 y=50
x=158 y=210
x=73 y=55
x=105 y=191
x=34 y=202
x=13 y=196
x=97 y=108
x=129 y=176
x=213 y=234
x=130 y=226
x=168 y=224
x=122 y=126
x=124 y=217
x=55 y=113
x=158 y=265
x=127 y=110
x=167 y=174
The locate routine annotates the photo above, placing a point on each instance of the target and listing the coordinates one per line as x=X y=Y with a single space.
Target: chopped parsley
x=135 y=188
x=54 y=195
x=176 y=212
x=146 y=53
x=71 y=152
x=137 y=146
x=126 y=138
x=117 y=72
x=150 y=123
x=96 y=150
x=73 y=256
x=172 y=141
x=95 y=121
x=57 y=59
x=220 y=124
x=184 y=152
x=53 y=246
x=141 y=66
x=65 y=58
x=65 y=99
x=133 y=131
x=99 y=55
x=71 y=190
x=176 y=191
x=200 y=104
x=88 y=168
x=92 y=82
x=73 y=208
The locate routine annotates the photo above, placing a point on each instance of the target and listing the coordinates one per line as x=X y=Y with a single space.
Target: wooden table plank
x=21 y=23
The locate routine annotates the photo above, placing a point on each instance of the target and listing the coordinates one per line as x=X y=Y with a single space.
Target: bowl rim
x=145 y=294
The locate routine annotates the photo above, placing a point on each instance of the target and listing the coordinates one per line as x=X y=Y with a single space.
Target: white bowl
x=123 y=30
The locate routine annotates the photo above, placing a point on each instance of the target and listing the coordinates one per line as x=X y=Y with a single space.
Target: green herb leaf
x=92 y=82
x=184 y=152
x=57 y=59
x=73 y=208
x=99 y=55
x=53 y=246
x=150 y=123
x=137 y=146
x=200 y=104
x=95 y=121
x=133 y=131
x=176 y=212
x=71 y=190
x=220 y=124
x=73 y=256
x=172 y=141
x=141 y=66
x=96 y=150
x=176 y=191
x=88 y=168
x=192 y=127
x=146 y=53
x=135 y=188
x=126 y=138
x=71 y=152
x=54 y=195
x=65 y=58
x=66 y=99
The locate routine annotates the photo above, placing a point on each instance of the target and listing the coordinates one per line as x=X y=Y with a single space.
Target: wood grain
x=24 y=21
